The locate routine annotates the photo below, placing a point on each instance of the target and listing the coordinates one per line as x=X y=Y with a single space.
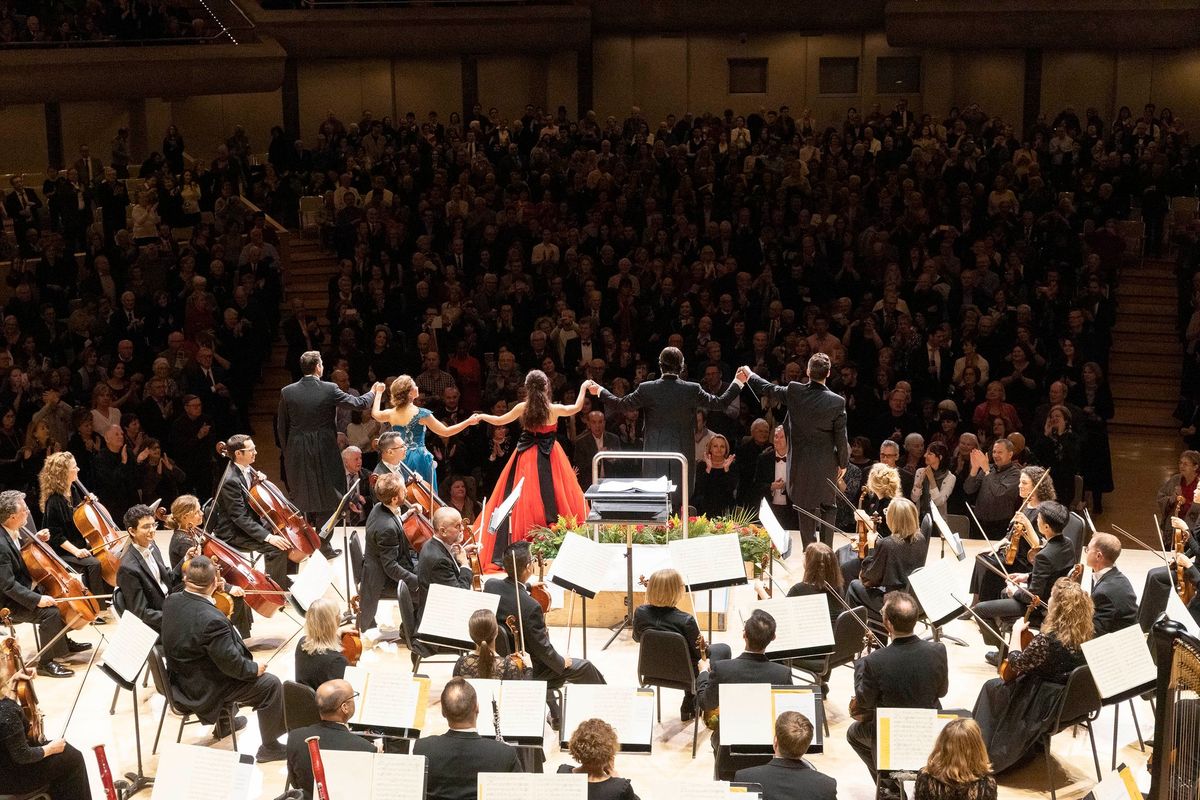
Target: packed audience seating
x=38 y=22
x=959 y=273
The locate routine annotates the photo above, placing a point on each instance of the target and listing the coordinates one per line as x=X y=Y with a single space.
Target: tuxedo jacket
x=746 y=668
x=206 y=657
x=908 y=673
x=789 y=779
x=16 y=584
x=548 y=664
x=585 y=450
x=140 y=592
x=333 y=736
x=436 y=565
x=455 y=759
x=233 y=519
x=1115 y=601
x=388 y=558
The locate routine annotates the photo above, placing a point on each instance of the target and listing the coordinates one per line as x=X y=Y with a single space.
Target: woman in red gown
x=551 y=489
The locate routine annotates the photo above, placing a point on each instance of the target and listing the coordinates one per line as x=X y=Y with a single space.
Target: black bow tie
x=780 y=458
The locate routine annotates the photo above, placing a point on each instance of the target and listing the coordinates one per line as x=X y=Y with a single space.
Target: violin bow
x=1117 y=529
x=842 y=602
x=991 y=546
x=979 y=619
x=1035 y=600
x=824 y=522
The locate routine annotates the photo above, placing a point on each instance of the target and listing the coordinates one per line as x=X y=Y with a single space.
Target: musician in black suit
x=819 y=451
x=455 y=758
x=670 y=404
x=788 y=776
x=391 y=457
x=908 y=673
x=1055 y=560
x=19 y=593
x=444 y=559
x=210 y=666
x=752 y=666
x=143 y=579
x=335 y=704
x=234 y=521
x=548 y=665
x=771 y=481
x=388 y=558
x=1112 y=594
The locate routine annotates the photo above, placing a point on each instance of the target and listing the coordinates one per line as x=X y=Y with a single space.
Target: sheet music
x=1120 y=661
x=529 y=786
x=800 y=698
x=313 y=580
x=582 y=563
x=709 y=561
x=647 y=559
x=1117 y=785
x=935 y=587
x=390 y=775
x=393 y=700
x=522 y=707
x=905 y=736
x=629 y=710
x=1178 y=612
x=129 y=647
x=448 y=611
x=746 y=713
x=779 y=537
x=345 y=771
x=190 y=772
x=948 y=535
x=706 y=790
x=660 y=485
x=801 y=623
x=503 y=510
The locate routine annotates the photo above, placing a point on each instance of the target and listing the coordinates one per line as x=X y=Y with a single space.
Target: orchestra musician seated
x=143 y=578
x=335 y=704
x=444 y=559
x=1053 y=561
x=752 y=666
x=1161 y=581
x=186 y=516
x=236 y=523
x=455 y=758
x=1112 y=593
x=319 y=657
x=907 y=673
x=210 y=666
x=890 y=560
x=484 y=661
x=594 y=744
x=388 y=558
x=660 y=612
x=548 y=665
x=958 y=768
x=392 y=450
x=883 y=487
x=788 y=776
x=20 y=594
x=1034 y=487
x=58 y=476
x=1013 y=715
x=56 y=767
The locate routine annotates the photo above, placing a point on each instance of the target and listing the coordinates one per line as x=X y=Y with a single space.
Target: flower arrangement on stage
x=756 y=544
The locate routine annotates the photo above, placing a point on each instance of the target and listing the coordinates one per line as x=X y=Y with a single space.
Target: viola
x=26 y=697
x=541 y=594
x=1185 y=588
x=352 y=640
x=518 y=642
x=262 y=594
x=1007 y=671
x=105 y=540
x=57 y=580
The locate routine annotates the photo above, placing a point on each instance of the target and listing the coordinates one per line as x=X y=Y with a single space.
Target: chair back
x=1075 y=532
x=1080 y=699
x=960 y=524
x=664 y=659
x=847 y=637
x=162 y=679
x=356 y=558
x=408 y=620
x=299 y=706
x=118 y=601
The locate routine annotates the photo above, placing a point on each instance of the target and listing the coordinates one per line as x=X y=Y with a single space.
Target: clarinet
x=318 y=767
x=110 y=791
x=496 y=719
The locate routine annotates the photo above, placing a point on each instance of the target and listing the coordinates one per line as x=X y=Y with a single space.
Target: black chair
x=355 y=555
x=39 y=794
x=162 y=682
x=664 y=661
x=848 y=636
x=1075 y=532
x=408 y=631
x=1080 y=705
x=299 y=706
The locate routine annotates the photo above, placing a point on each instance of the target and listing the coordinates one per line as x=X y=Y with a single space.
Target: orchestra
x=203 y=593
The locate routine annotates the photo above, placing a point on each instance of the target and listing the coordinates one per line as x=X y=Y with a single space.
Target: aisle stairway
x=1147 y=355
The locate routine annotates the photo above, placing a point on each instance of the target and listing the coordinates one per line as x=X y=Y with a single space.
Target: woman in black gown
x=56 y=765
x=1013 y=716
x=594 y=745
x=319 y=653
x=987 y=585
x=883 y=485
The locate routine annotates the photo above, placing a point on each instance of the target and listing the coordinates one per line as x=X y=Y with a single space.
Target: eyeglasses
x=351 y=697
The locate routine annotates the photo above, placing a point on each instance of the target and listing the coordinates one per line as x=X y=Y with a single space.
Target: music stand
x=137 y=780
x=343 y=511
x=631 y=508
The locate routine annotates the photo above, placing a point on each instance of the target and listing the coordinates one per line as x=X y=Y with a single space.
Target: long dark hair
x=483 y=629
x=537 y=399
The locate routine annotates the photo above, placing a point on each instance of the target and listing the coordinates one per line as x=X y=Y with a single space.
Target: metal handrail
x=628 y=455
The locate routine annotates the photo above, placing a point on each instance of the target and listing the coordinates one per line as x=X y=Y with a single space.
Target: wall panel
x=429 y=84
x=22 y=139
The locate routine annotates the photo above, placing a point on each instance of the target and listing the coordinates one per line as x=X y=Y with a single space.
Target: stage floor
x=654 y=776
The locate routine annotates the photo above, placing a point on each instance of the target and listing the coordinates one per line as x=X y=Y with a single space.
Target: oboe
x=110 y=791
x=318 y=767
x=496 y=719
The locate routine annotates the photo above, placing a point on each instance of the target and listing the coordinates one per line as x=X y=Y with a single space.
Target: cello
x=277 y=511
x=76 y=605
x=105 y=539
x=234 y=569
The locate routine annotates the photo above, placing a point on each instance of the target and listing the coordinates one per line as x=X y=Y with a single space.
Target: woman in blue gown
x=410 y=421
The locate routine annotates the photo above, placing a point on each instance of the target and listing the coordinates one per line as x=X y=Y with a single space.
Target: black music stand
x=624 y=508
x=343 y=511
x=136 y=780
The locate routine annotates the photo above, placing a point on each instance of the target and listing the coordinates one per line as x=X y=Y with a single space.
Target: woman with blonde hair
x=1013 y=716
x=661 y=612
x=882 y=487
x=54 y=767
x=958 y=768
x=594 y=744
x=890 y=559
x=716 y=478
x=410 y=421
x=319 y=653
x=58 y=500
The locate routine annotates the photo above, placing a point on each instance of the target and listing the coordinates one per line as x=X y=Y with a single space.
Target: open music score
x=129 y=647
x=948 y=535
x=749 y=711
x=1120 y=662
x=1120 y=784
x=529 y=786
x=629 y=709
x=935 y=589
x=191 y=772
x=447 y=614
x=522 y=707
x=709 y=562
x=717 y=790
x=779 y=537
x=802 y=626
x=390 y=701
x=313 y=580
x=905 y=737
x=581 y=565
x=374 y=776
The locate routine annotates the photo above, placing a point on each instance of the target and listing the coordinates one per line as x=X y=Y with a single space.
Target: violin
x=262 y=594
x=352 y=640
x=279 y=513
x=77 y=605
x=541 y=594
x=515 y=629
x=26 y=697
x=861 y=528
x=1185 y=588
x=105 y=540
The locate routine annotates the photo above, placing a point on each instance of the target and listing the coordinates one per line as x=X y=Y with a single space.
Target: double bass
x=105 y=539
x=232 y=566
